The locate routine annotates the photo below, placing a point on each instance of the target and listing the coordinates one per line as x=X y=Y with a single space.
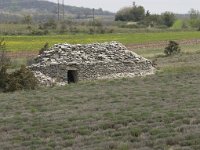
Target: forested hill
x=17 y=7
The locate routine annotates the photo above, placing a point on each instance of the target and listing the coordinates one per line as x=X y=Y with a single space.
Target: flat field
x=156 y=112
x=34 y=43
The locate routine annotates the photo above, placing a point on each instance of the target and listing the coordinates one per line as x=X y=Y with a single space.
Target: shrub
x=91 y=31
x=21 y=79
x=172 y=48
x=101 y=30
x=111 y=30
x=39 y=32
x=3 y=77
x=4 y=60
x=50 y=24
x=18 y=80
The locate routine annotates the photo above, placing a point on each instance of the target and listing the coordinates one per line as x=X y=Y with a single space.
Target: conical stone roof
x=88 y=54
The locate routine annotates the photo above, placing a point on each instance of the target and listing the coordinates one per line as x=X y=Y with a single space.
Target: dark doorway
x=72 y=76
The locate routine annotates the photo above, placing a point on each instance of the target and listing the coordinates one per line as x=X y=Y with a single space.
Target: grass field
x=158 y=112
x=154 y=52
x=33 y=43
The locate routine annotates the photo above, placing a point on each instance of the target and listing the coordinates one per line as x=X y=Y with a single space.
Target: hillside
x=13 y=9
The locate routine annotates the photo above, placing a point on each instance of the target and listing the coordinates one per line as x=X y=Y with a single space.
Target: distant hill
x=13 y=9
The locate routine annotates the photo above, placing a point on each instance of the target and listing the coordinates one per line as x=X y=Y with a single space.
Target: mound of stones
x=93 y=61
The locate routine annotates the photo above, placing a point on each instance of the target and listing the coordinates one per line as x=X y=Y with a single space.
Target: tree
x=194 y=14
x=168 y=19
x=123 y=14
x=27 y=19
x=148 y=14
x=194 y=18
x=136 y=14
x=152 y=20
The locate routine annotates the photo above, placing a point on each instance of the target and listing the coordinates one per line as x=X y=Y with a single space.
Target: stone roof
x=86 y=53
x=93 y=61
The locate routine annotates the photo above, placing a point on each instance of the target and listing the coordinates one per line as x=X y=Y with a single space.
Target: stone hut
x=66 y=63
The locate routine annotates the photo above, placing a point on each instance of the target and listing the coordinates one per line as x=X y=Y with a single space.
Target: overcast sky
x=155 y=6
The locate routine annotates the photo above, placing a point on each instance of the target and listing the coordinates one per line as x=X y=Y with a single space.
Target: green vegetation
x=178 y=24
x=4 y=60
x=154 y=112
x=14 y=11
x=137 y=14
x=22 y=79
x=160 y=111
x=172 y=48
x=17 y=80
x=34 y=43
x=168 y=19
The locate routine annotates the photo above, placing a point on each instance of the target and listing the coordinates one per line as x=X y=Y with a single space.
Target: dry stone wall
x=91 y=61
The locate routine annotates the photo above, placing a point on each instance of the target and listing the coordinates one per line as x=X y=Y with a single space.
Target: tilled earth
x=161 y=44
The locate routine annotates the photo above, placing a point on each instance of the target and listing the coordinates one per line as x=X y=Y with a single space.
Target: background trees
x=168 y=19
x=194 y=18
x=138 y=14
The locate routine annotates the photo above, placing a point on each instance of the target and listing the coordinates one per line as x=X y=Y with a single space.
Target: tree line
x=139 y=15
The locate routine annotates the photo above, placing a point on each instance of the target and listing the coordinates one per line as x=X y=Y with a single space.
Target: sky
x=154 y=6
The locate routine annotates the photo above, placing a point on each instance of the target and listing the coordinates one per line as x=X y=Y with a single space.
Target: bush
x=3 y=77
x=21 y=79
x=91 y=31
x=18 y=80
x=172 y=48
x=4 y=60
x=39 y=32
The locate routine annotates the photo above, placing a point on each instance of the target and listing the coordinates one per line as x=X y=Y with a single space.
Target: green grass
x=154 y=112
x=154 y=52
x=33 y=43
x=178 y=24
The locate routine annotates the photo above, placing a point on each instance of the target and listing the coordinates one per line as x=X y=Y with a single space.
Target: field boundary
x=161 y=44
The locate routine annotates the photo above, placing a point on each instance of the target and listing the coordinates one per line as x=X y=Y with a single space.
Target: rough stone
x=66 y=63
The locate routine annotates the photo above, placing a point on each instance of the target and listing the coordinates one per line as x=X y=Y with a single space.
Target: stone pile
x=88 y=59
x=89 y=53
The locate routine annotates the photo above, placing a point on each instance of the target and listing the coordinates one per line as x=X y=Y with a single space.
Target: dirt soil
x=31 y=54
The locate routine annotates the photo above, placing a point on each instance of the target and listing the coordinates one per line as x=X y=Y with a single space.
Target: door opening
x=72 y=76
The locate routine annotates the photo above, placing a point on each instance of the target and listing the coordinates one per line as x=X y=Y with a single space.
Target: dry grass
x=153 y=52
x=155 y=112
